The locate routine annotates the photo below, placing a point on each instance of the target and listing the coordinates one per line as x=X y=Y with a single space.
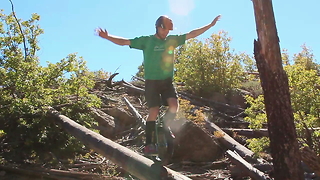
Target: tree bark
x=274 y=81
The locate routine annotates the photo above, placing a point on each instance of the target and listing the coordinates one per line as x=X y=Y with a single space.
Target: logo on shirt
x=158 y=48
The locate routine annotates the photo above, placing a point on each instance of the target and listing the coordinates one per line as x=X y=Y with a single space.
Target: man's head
x=163 y=26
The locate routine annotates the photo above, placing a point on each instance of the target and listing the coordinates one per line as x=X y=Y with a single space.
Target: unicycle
x=165 y=141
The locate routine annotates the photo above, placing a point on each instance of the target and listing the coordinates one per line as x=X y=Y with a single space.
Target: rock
x=194 y=144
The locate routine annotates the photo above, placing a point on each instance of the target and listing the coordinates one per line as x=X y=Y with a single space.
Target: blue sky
x=69 y=26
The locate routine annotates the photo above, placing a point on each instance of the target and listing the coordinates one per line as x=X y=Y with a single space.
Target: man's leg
x=151 y=125
x=153 y=102
x=172 y=110
x=169 y=95
x=170 y=114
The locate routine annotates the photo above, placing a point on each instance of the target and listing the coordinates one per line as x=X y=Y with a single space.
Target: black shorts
x=158 y=91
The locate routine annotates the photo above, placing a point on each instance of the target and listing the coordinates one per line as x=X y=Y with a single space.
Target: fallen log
x=246 y=167
x=250 y=133
x=232 y=144
x=237 y=123
x=53 y=173
x=235 y=171
x=193 y=101
x=137 y=165
x=232 y=124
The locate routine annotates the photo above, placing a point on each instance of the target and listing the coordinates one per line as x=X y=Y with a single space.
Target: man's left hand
x=215 y=20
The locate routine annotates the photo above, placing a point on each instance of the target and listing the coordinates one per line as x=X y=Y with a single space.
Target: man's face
x=163 y=32
x=167 y=26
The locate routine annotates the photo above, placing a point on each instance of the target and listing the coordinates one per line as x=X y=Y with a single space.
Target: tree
x=274 y=81
x=306 y=59
x=304 y=92
x=26 y=87
x=140 y=72
x=210 y=66
x=304 y=85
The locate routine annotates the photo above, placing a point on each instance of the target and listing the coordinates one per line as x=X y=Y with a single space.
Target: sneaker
x=150 y=149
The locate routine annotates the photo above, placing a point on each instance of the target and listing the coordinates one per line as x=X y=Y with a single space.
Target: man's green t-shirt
x=158 y=55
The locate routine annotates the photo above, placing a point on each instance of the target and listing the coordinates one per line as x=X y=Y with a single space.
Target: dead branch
x=133 y=88
x=138 y=78
x=109 y=81
x=135 y=113
x=20 y=29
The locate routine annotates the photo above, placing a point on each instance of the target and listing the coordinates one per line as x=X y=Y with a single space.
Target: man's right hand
x=102 y=33
x=115 y=39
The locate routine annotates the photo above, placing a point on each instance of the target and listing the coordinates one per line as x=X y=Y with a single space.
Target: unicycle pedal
x=156 y=159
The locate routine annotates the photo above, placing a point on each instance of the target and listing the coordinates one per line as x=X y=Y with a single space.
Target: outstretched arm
x=197 y=32
x=117 y=40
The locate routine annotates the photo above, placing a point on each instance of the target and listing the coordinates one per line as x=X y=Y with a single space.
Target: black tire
x=162 y=144
x=170 y=145
x=165 y=146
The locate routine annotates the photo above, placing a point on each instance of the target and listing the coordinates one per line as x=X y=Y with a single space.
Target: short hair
x=161 y=21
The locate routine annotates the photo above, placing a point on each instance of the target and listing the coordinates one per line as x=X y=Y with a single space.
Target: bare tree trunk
x=274 y=81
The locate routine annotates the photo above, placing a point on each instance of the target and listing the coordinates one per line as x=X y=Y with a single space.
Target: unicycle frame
x=164 y=142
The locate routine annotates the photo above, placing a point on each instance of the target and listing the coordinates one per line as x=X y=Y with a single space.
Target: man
x=158 y=53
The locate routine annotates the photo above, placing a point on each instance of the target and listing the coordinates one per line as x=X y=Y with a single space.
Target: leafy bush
x=258 y=145
x=209 y=66
x=252 y=86
x=304 y=89
x=190 y=112
x=26 y=87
